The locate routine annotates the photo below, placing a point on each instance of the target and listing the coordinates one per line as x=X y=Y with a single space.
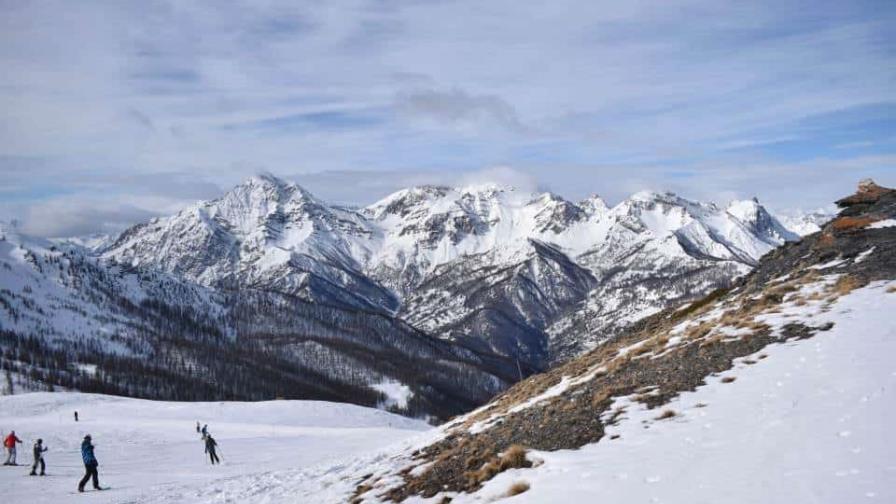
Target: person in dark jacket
x=90 y=465
x=210 y=446
x=39 y=450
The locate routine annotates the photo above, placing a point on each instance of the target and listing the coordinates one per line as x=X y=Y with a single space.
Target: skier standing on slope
x=39 y=450
x=10 y=444
x=210 y=445
x=90 y=465
x=204 y=431
x=198 y=430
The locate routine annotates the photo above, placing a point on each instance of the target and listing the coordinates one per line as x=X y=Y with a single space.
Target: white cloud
x=599 y=96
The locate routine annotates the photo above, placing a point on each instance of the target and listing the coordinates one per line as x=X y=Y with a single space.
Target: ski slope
x=149 y=451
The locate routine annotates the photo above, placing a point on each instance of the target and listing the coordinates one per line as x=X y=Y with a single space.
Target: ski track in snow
x=149 y=451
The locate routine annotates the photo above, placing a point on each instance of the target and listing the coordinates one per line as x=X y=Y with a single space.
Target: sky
x=112 y=112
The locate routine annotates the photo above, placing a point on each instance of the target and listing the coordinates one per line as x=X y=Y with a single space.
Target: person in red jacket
x=10 y=444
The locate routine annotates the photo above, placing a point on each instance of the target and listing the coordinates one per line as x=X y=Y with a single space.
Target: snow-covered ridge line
x=416 y=253
x=426 y=226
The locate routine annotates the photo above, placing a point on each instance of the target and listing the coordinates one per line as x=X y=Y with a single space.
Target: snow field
x=149 y=451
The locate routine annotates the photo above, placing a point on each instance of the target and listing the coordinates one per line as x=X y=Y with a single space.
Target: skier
x=39 y=450
x=90 y=465
x=210 y=445
x=204 y=431
x=198 y=430
x=76 y=416
x=10 y=444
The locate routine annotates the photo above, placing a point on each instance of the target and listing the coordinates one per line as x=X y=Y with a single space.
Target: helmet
x=39 y=441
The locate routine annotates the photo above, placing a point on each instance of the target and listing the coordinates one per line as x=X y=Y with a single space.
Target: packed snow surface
x=149 y=451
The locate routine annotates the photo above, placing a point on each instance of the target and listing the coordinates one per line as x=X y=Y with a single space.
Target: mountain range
x=449 y=294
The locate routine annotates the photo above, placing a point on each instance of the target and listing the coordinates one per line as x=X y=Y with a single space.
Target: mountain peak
x=269 y=180
x=741 y=208
x=752 y=214
x=593 y=205
x=655 y=197
x=485 y=188
x=266 y=188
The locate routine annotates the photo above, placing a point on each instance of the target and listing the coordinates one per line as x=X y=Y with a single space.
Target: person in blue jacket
x=90 y=465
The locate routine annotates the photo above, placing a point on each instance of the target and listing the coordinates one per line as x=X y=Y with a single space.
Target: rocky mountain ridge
x=560 y=262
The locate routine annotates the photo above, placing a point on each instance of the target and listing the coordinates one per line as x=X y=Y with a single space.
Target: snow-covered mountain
x=521 y=274
x=74 y=320
x=489 y=280
x=530 y=276
x=264 y=233
x=806 y=223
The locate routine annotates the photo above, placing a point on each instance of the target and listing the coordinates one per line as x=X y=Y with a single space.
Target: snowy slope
x=806 y=424
x=149 y=449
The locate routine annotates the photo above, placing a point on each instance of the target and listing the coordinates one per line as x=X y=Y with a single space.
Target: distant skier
x=204 y=431
x=76 y=416
x=90 y=465
x=39 y=450
x=10 y=444
x=198 y=430
x=210 y=446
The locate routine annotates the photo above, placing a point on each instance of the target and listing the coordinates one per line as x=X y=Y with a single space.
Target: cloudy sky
x=111 y=112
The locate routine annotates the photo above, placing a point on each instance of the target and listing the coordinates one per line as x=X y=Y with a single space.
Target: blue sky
x=116 y=111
